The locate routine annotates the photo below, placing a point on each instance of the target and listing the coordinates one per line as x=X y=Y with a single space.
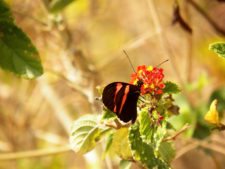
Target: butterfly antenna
x=129 y=60
x=162 y=62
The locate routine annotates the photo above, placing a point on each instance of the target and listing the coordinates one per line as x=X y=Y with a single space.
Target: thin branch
x=31 y=17
x=165 y=45
x=35 y=153
x=207 y=17
x=52 y=98
x=186 y=149
x=173 y=137
x=50 y=137
x=213 y=147
x=190 y=45
x=203 y=144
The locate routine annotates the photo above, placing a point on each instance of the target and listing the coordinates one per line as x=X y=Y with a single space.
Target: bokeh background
x=81 y=48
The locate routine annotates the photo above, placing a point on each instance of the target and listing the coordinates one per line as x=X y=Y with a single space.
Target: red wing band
x=118 y=87
x=127 y=89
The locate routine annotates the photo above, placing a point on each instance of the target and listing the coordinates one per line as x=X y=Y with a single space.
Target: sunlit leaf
x=108 y=143
x=58 y=5
x=85 y=133
x=151 y=134
x=166 y=151
x=146 y=128
x=218 y=48
x=18 y=54
x=143 y=152
x=120 y=144
x=124 y=164
x=171 y=88
x=212 y=116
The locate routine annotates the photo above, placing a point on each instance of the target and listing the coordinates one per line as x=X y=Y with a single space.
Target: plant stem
x=34 y=153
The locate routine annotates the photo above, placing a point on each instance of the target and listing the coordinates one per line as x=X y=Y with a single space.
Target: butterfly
x=121 y=98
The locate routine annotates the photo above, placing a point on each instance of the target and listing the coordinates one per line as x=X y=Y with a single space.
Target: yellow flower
x=212 y=116
x=149 y=68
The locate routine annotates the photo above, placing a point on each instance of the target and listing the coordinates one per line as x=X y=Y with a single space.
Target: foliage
x=18 y=54
x=91 y=27
x=85 y=133
x=142 y=142
x=218 y=48
x=120 y=144
x=58 y=5
x=171 y=88
x=125 y=164
x=142 y=151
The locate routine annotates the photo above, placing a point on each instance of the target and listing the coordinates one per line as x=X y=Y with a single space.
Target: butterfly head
x=140 y=83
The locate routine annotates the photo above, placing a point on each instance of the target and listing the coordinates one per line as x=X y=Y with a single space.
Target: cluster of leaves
x=144 y=142
x=18 y=54
x=147 y=142
x=214 y=115
x=204 y=115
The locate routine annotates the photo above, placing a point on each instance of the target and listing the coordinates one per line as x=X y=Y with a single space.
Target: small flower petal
x=151 y=77
x=212 y=116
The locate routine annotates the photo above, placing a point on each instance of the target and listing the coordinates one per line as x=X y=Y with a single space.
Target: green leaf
x=120 y=144
x=160 y=134
x=166 y=151
x=146 y=128
x=85 y=133
x=108 y=143
x=18 y=54
x=171 y=88
x=151 y=133
x=108 y=115
x=5 y=14
x=58 y=5
x=143 y=152
x=125 y=164
x=218 y=48
x=202 y=130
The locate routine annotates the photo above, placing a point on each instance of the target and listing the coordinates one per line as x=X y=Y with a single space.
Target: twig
x=185 y=127
x=203 y=144
x=35 y=153
x=186 y=149
x=212 y=147
x=31 y=17
x=216 y=162
x=207 y=17
x=163 y=39
x=50 y=137
x=190 y=46
x=73 y=86
x=52 y=98
x=165 y=45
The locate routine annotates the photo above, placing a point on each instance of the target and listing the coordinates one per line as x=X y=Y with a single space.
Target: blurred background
x=81 y=48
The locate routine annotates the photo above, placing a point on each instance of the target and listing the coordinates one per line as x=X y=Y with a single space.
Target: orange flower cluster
x=151 y=78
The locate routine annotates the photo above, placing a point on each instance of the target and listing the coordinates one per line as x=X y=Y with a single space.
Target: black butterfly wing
x=121 y=98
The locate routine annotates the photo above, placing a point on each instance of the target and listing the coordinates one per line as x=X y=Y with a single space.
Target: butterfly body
x=121 y=98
